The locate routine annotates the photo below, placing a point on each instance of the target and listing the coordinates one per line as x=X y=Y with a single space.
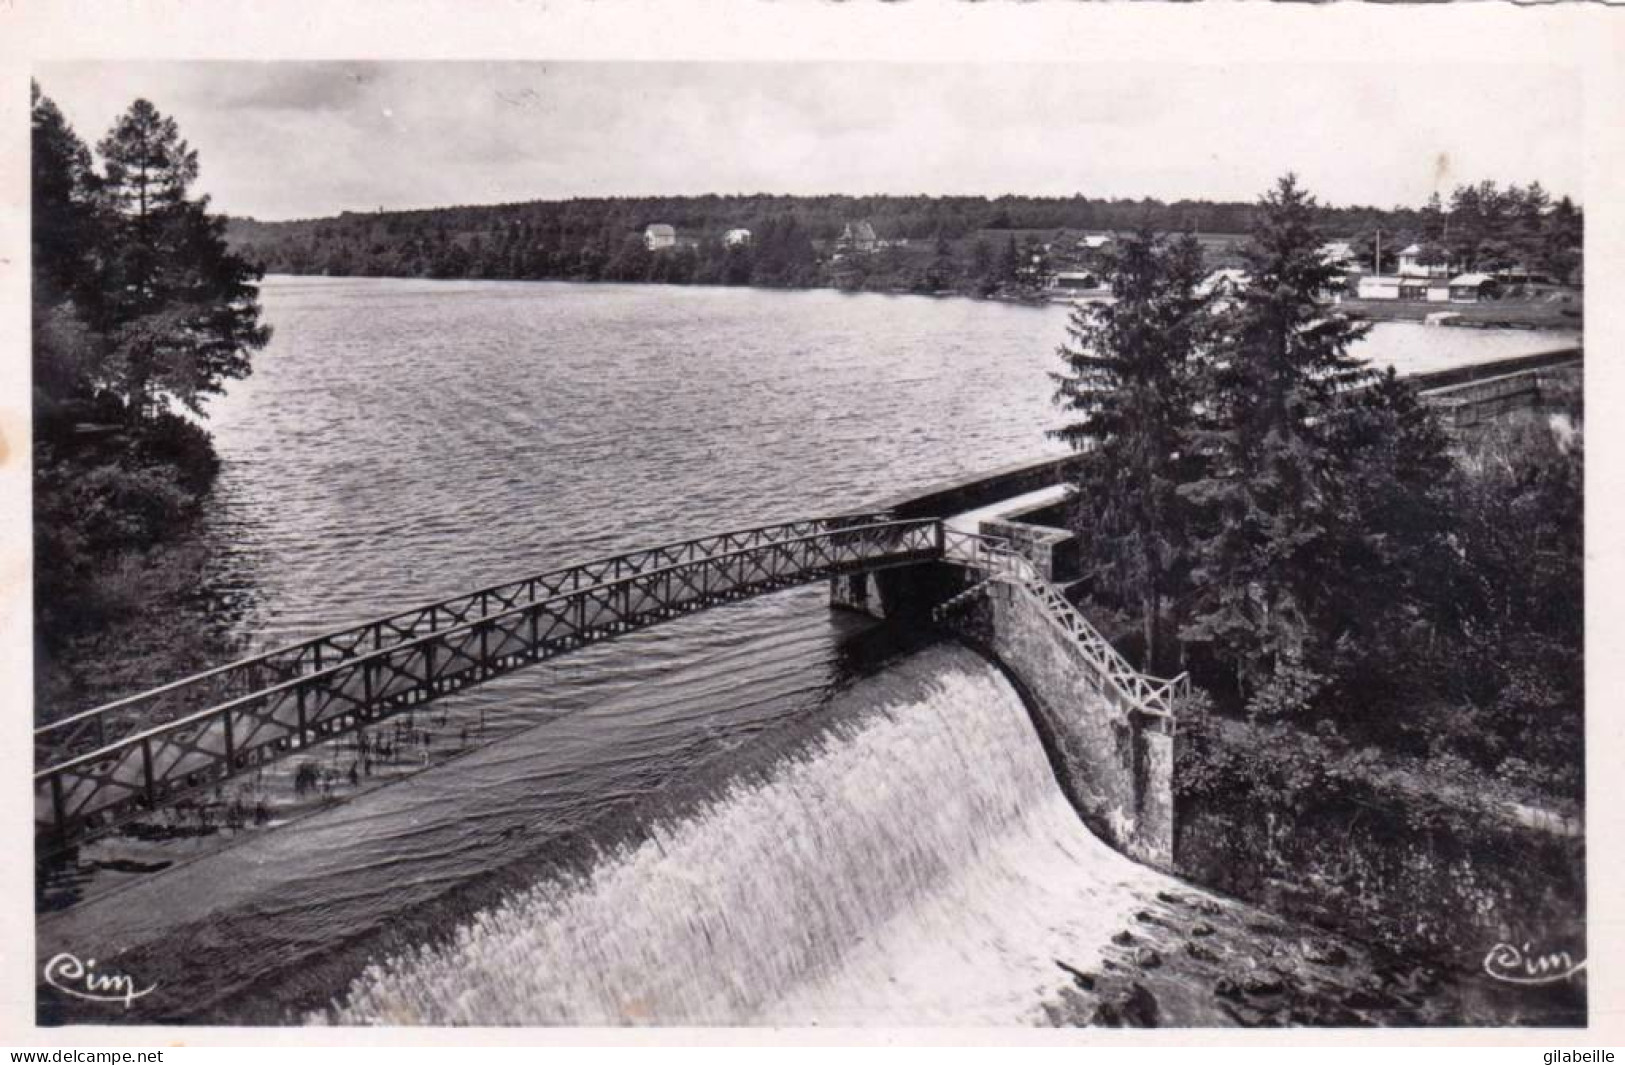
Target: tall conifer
x=1131 y=377
x=1280 y=372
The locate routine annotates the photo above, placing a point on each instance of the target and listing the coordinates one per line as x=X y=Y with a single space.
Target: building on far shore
x=1402 y=287
x=1470 y=288
x=1074 y=281
x=857 y=236
x=1411 y=265
x=736 y=238
x=1377 y=287
x=1225 y=282
x=659 y=236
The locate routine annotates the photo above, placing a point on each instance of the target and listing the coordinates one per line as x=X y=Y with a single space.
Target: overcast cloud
x=287 y=140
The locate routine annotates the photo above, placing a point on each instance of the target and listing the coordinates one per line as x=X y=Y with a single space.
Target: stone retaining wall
x=1114 y=762
x=1054 y=552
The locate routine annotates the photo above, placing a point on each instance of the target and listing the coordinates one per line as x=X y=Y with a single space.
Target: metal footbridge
x=105 y=767
x=112 y=764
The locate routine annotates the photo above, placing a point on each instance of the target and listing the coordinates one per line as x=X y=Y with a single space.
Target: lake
x=406 y=440
x=402 y=441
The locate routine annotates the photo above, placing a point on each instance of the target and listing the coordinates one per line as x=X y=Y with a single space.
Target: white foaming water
x=917 y=864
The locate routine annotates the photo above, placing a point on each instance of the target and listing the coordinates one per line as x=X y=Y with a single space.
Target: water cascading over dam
x=915 y=862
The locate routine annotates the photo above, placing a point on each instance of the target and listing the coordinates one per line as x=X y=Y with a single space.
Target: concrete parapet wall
x=1478 y=371
x=1481 y=401
x=977 y=490
x=1053 y=551
x=960 y=494
x=1114 y=762
x=1471 y=395
x=1476 y=402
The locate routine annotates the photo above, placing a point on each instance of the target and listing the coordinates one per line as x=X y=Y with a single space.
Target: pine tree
x=1280 y=373
x=64 y=190
x=981 y=259
x=1131 y=376
x=64 y=236
x=182 y=312
x=1562 y=243
x=1010 y=261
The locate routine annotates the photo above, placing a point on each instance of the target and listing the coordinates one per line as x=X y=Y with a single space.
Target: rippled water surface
x=407 y=440
x=402 y=441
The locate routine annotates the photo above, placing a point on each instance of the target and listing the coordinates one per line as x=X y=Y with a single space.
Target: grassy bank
x=1436 y=807
x=1556 y=311
x=1422 y=862
x=119 y=603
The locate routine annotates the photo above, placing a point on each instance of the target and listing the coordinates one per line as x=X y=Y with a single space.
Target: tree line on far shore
x=1300 y=532
x=967 y=245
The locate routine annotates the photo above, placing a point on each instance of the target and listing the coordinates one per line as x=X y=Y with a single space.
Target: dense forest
x=140 y=312
x=1303 y=535
x=968 y=245
x=1382 y=618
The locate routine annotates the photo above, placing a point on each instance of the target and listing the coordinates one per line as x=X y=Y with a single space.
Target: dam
x=904 y=857
x=432 y=883
x=932 y=847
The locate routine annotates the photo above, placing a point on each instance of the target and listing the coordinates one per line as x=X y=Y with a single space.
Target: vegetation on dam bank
x=1447 y=819
x=1459 y=825
x=1384 y=622
x=1439 y=820
x=140 y=312
x=1304 y=537
x=1543 y=310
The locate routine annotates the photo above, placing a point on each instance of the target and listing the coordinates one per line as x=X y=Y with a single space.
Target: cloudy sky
x=288 y=140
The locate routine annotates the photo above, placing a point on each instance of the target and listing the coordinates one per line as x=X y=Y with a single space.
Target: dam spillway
x=912 y=862
x=915 y=863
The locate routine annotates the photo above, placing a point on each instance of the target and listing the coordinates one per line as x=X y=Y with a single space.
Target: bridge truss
x=219 y=724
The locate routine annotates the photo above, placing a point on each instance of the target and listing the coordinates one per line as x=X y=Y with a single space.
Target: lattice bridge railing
x=96 y=728
x=1113 y=675
x=385 y=670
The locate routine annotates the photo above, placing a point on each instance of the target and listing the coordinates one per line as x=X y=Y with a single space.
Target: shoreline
x=1496 y=315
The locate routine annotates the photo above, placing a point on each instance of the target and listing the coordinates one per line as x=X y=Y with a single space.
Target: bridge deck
x=91 y=793
x=970 y=521
x=96 y=728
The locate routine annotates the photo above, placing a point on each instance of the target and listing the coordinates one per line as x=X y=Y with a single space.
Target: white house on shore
x=1339 y=253
x=1402 y=287
x=659 y=236
x=1377 y=287
x=736 y=238
x=858 y=237
x=1410 y=264
x=1464 y=288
